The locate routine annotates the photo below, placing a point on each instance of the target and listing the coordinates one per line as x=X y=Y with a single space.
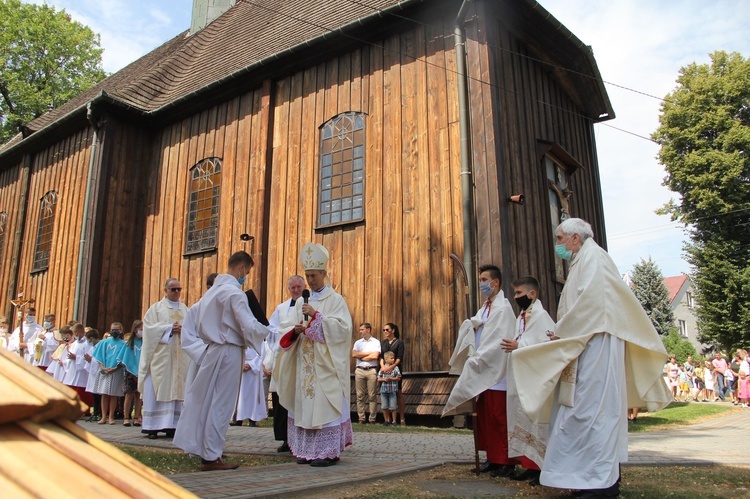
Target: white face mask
x=139 y=334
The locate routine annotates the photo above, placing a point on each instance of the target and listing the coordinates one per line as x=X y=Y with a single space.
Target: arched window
x=342 y=170
x=44 y=231
x=3 y=223
x=203 y=206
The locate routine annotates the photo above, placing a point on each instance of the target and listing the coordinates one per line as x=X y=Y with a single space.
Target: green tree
x=648 y=286
x=678 y=346
x=45 y=60
x=704 y=135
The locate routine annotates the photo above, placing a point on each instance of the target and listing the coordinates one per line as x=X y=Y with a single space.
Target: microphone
x=305 y=297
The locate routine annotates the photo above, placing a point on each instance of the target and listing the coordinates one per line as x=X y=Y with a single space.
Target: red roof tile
x=674 y=284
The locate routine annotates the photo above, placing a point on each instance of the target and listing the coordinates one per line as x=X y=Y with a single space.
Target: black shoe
x=487 y=466
x=302 y=461
x=170 y=433
x=251 y=423
x=503 y=471
x=283 y=448
x=152 y=435
x=235 y=423
x=524 y=475
x=320 y=463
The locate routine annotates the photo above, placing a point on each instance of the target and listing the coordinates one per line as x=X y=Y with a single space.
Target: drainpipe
x=467 y=182
x=86 y=224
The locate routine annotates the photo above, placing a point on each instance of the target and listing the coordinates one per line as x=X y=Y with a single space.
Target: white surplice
x=163 y=367
x=609 y=357
x=526 y=438
x=225 y=323
x=49 y=345
x=30 y=332
x=251 y=402
x=78 y=375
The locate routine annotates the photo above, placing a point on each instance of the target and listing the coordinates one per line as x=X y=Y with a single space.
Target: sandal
x=102 y=421
x=126 y=422
x=137 y=422
x=111 y=421
x=403 y=424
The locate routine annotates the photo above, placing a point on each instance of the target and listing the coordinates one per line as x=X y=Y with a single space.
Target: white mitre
x=314 y=256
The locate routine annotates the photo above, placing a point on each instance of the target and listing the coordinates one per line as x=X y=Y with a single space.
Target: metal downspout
x=86 y=223
x=467 y=182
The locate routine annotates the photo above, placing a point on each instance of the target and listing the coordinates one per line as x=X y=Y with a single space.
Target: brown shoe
x=218 y=465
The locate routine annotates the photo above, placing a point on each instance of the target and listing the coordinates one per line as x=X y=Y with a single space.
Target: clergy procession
x=550 y=397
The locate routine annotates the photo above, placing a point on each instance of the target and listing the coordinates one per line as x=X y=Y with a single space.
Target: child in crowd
x=743 y=389
x=389 y=389
x=92 y=338
x=729 y=383
x=708 y=379
x=699 y=387
x=131 y=359
x=684 y=389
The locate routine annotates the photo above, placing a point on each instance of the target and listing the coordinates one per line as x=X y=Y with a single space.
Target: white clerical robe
x=312 y=377
x=481 y=365
x=192 y=345
x=226 y=325
x=251 y=402
x=609 y=357
x=49 y=345
x=526 y=438
x=30 y=332
x=285 y=315
x=77 y=375
x=163 y=367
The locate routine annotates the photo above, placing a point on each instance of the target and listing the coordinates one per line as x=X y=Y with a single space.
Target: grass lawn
x=647 y=482
x=170 y=462
x=680 y=414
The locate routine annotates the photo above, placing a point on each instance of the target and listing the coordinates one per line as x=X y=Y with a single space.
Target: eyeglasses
x=386 y=330
x=175 y=290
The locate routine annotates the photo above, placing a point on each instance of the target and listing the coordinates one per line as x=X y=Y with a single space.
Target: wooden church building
x=393 y=132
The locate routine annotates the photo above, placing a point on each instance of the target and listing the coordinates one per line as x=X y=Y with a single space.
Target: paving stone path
x=375 y=455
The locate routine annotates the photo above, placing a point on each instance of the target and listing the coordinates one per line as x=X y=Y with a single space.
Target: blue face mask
x=47 y=325
x=241 y=280
x=563 y=252
x=485 y=288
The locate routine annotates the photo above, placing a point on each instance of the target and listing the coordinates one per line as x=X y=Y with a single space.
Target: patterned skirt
x=110 y=384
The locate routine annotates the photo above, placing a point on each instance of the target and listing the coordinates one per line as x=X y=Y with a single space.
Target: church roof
x=45 y=453
x=257 y=36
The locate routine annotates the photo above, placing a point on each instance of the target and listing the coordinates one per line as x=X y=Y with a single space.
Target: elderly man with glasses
x=163 y=367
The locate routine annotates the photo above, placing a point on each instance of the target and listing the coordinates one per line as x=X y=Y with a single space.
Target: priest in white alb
x=311 y=373
x=225 y=324
x=526 y=439
x=163 y=366
x=481 y=365
x=606 y=357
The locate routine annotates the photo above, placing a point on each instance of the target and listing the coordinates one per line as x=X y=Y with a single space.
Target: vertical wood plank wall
x=532 y=106
x=395 y=266
x=235 y=132
x=10 y=194
x=62 y=167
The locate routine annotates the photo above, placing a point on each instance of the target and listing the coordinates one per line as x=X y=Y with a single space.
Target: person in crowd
x=163 y=366
x=699 y=385
x=743 y=391
x=734 y=366
x=708 y=377
x=46 y=342
x=690 y=370
x=606 y=356
x=673 y=375
x=92 y=339
x=684 y=392
x=77 y=374
x=367 y=352
x=526 y=439
x=109 y=379
x=251 y=401
x=729 y=384
x=131 y=358
x=320 y=341
x=720 y=365
x=23 y=345
x=392 y=343
x=389 y=388
x=4 y=328
x=481 y=364
x=59 y=360
x=227 y=326
x=283 y=315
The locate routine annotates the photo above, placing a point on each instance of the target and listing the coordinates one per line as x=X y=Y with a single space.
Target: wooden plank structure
x=38 y=425
x=119 y=157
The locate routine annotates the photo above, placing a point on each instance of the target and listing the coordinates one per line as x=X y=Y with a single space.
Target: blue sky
x=639 y=44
